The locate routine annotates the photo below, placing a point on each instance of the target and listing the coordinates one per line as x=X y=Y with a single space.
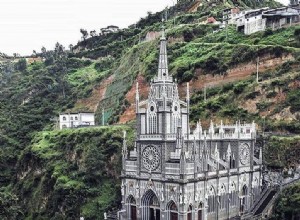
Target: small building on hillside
x=280 y=17
x=251 y=21
x=229 y=13
x=109 y=29
x=74 y=120
x=31 y=60
x=254 y=20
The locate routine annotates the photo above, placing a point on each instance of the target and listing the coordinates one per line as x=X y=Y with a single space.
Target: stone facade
x=175 y=173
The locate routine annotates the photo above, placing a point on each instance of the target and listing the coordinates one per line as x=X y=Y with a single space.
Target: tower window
x=151 y=108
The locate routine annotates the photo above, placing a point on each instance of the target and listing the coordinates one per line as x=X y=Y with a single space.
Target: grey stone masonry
x=175 y=173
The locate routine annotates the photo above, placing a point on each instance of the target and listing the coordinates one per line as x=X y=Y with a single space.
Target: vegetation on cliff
x=50 y=174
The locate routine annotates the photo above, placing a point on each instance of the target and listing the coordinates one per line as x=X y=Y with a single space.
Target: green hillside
x=51 y=174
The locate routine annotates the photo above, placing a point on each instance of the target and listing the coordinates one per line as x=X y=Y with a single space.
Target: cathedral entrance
x=150 y=206
x=172 y=211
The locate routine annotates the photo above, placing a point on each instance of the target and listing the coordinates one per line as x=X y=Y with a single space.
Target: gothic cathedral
x=174 y=173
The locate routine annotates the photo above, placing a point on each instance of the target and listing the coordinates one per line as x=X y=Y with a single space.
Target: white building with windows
x=73 y=120
x=174 y=173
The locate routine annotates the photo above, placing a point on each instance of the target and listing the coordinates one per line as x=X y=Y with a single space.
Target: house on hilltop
x=109 y=29
x=254 y=20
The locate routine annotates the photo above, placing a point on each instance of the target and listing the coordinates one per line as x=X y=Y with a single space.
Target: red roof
x=211 y=20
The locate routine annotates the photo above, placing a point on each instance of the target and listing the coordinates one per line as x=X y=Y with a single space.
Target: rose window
x=150 y=158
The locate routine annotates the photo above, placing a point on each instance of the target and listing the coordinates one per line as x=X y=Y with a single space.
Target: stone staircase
x=255 y=212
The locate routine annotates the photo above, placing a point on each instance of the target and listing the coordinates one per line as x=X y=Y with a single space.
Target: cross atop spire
x=163 y=71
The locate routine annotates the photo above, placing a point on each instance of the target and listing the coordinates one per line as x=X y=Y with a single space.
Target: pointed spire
x=228 y=153
x=221 y=128
x=194 y=151
x=163 y=71
x=187 y=92
x=236 y=128
x=198 y=130
x=260 y=155
x=137 y=97
x=124 y=150
x=217 y=155
x=211 y=128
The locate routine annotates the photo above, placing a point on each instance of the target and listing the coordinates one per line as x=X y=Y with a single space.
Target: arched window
x=152 y=119
x=232 y=162
x=190 y=213
x=233 y=195
x=243 y=200
x=200 y=211
x=71 y=117
x=211 y=200
x=64 y=118
x=131 y=208
x=64 y=126
x=151 y=206
x=76 y=118
x=172 y=211
x=223 y=198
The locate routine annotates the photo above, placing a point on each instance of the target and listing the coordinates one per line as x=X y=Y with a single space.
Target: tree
x=60 y=64
x=287 y=206
x=93 y=33
x=71 y=47
x=34 y=53
x=44 y=51
x=297 y=35
x=84 y=33
x=16 y=55
x=21 y=65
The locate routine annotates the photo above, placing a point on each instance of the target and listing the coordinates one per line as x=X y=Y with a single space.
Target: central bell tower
x=163 y=112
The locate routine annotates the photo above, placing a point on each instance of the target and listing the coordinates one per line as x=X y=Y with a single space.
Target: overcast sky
x=27 y=25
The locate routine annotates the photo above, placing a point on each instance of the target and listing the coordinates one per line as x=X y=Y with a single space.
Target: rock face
x=240 y=72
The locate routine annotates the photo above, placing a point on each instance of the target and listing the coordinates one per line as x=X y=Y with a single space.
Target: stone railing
x=150 y=137
x=131 y=166
x=172 y=168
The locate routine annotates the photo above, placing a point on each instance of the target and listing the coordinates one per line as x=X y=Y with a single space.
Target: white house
x=251 y=21
x=73 y=120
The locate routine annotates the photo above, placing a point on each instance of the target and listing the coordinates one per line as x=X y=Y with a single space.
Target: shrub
x=21 y=65
x=293 y=100
x=271 y=94
x=268 y=32
x=239 y=87
x=252 y=95
x=187 y=76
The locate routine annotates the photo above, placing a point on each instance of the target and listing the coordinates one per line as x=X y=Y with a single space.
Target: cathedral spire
x=163 y=72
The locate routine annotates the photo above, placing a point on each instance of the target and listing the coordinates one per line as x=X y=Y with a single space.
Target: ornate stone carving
x=151 y=158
